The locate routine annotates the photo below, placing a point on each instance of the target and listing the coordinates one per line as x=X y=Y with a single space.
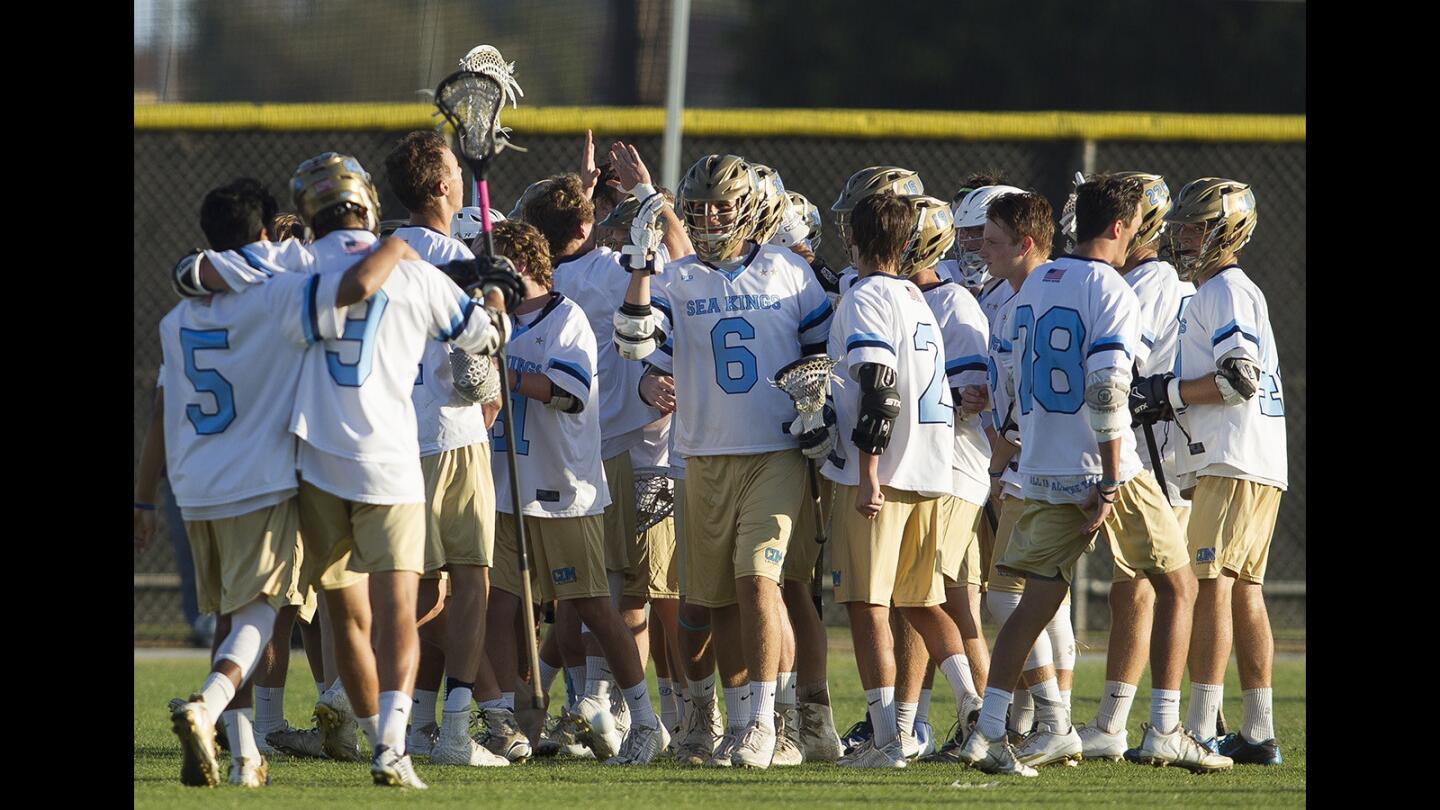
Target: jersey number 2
x=208 y=381
x=359 y=330
x=933 y=407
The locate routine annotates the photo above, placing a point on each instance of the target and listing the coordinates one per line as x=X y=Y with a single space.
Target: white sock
x=394 y=714
x=1115 y=707
x=922 y=709
x=269 y=709
x=458 y=699
x=992 y=714
x=1065 y=699
x=597 y=676
x=507 y=700
x=882 y=714
x=957 y=672
x=1049 y=709
x=547 y=675
x=217 y=693
x=319 y=689
x=704 y=691
x=574 y=685
x=370 y=726
x=493 y=703
x=1258 y=723
x=1022 y=713
x=240 y=728
x=637 y=698
x=905 y=716
x=1165 y=710
x=785 y=693
x=1205 y=700
x=737 y=706
x=762 y=698
x=669 y=706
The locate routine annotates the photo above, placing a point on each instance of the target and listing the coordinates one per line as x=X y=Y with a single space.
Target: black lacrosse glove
x=827 y=278
x=484 y=273
x=1150 y=400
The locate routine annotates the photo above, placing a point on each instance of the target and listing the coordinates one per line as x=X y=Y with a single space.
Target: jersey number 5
x=208 y=381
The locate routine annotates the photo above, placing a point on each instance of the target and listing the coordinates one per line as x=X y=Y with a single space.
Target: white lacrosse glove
x=816 y=432
x=646 y=234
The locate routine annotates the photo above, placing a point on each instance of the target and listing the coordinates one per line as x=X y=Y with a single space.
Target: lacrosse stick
x=1154 y=451
x=654 y=498
x=470 y=99
x=807 y=382
x=485 y=59
x=475 y=378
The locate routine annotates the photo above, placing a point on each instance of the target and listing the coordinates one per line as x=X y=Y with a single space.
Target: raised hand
x=630 y=170
x=589 y=174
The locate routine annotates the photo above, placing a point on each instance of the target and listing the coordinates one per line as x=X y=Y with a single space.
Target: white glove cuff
x=1172 y=391
x=642 y=191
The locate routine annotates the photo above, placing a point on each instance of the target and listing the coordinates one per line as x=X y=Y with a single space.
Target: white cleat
x=1046 y=746
x=721 y=757
x=1096 y=744
x=502 y=735
x=921 y=743
x=819 y=741
x=697 y=738
x=567 y=737
x=787 y=739
x=595 y=727
x=754 y=749
x=890 y=755
x=641 y=745
x=195 y=728
x=1178 y=748
x=390 y=769
x=339 y=732
x=250 y=773
x=421 y=741
x=969 y=714
x=456 y=748
x=993 y=756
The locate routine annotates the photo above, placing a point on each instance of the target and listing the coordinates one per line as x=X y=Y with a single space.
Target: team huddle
x=700 y=408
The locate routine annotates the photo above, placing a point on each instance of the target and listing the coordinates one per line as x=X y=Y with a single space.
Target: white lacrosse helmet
x=970 y=213
x=801 y=223
x=466 y=224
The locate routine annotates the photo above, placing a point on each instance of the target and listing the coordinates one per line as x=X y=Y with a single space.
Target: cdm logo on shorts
x=563 y=576
x=774 y=555
x=1204 y=555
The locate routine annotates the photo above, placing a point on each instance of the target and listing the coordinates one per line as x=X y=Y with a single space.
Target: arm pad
x=1107 y=393
x=637 y=331
x=879 y=405
x=564 y=401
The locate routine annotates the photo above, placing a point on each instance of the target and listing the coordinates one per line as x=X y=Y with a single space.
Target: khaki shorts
x=740 y=514
x=567 y=557
x=345 y=540
x=240 y=559
x=894 y=557
x=296 y=593
x=655 y=573
x=460 y=508
x=1141 y=531
x=985 y=542
x=959 y=546
x=620 y=520
x=1120 y=574
x=680 y=543
x=1231 y=524
x=800 y=557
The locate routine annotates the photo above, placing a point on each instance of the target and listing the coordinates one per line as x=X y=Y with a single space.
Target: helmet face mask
x=329 y=181
x=801 y=224
x=718 y=204
x=772 y=204
x=1212 y=219
x=931 y=236
x=970 y=230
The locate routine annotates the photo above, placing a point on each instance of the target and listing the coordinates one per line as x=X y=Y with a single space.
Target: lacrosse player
x=861 y=184
x=1162 y=296
x=1075 y=327
x=800 y=231
x=459 y=489
x=964 y=329
x=555 y=395
x=1226 y=398
x=732 y=312
x=226 y=389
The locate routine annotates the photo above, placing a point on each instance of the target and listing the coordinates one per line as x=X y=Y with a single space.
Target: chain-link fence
x=174 y=169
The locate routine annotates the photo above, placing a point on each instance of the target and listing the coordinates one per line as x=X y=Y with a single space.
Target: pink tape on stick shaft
x=484 y=192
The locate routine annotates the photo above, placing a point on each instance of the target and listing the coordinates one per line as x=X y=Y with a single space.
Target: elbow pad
x=1107 y=395
x=564 y=401
x=637 y=331
x=1238 y=379
x=879 y=405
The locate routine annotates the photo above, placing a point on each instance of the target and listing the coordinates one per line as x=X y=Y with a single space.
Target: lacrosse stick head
x=474 y=377
x=485 y=59
x=471 y=102
x=807 y=381
x=654 y=499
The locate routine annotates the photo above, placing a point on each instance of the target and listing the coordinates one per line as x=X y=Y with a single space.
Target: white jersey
x=259 y=262
x=447 y=421
x=727 y=335
x=557 y=454
x=230 y=370
x=1073 y=316
x=353 y=410
x=1002 y=414
x=596 y=282
x=1228 y=317
x=996 y=293
x=1162 y=297
x=946 y=270
x=963 y=326
x=653 y=451
x=884 y=319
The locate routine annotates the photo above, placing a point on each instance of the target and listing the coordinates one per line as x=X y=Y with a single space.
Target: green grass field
x=562 y=783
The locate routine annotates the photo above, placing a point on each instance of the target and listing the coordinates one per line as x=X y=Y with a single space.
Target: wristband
x=1113 y=493
x=1172 y=392
x=148 y=507
x=1109 y=484
x=997 y=474
x=642 y=191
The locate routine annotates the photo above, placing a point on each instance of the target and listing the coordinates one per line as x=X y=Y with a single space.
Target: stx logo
x=1205 y=555
x=563 y=576
x=774 y=555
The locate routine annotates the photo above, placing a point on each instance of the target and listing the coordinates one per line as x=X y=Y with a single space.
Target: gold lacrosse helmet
x=1226 y=209
x=329 y=180
x=715 y=181
x=1154 y=205
x=932 y=235
x=867 y=181
x=614 y=230
x=772 y=205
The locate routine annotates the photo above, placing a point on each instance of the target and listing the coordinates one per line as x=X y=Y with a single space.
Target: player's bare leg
x=1018 y=635
x=1175 y=595
x=818 y=739
x=910 y=664
x=393 y=600
x=618 y=644
x=1132 y=611
x=734 y=678
x=312 y=636
x=962 y=603
x=632 y=613
x=270 y=677
x=424 y=730
x=786 y=715
x=1255 y=654
x=464 y=635
x=348 y=614
x=761 y=614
